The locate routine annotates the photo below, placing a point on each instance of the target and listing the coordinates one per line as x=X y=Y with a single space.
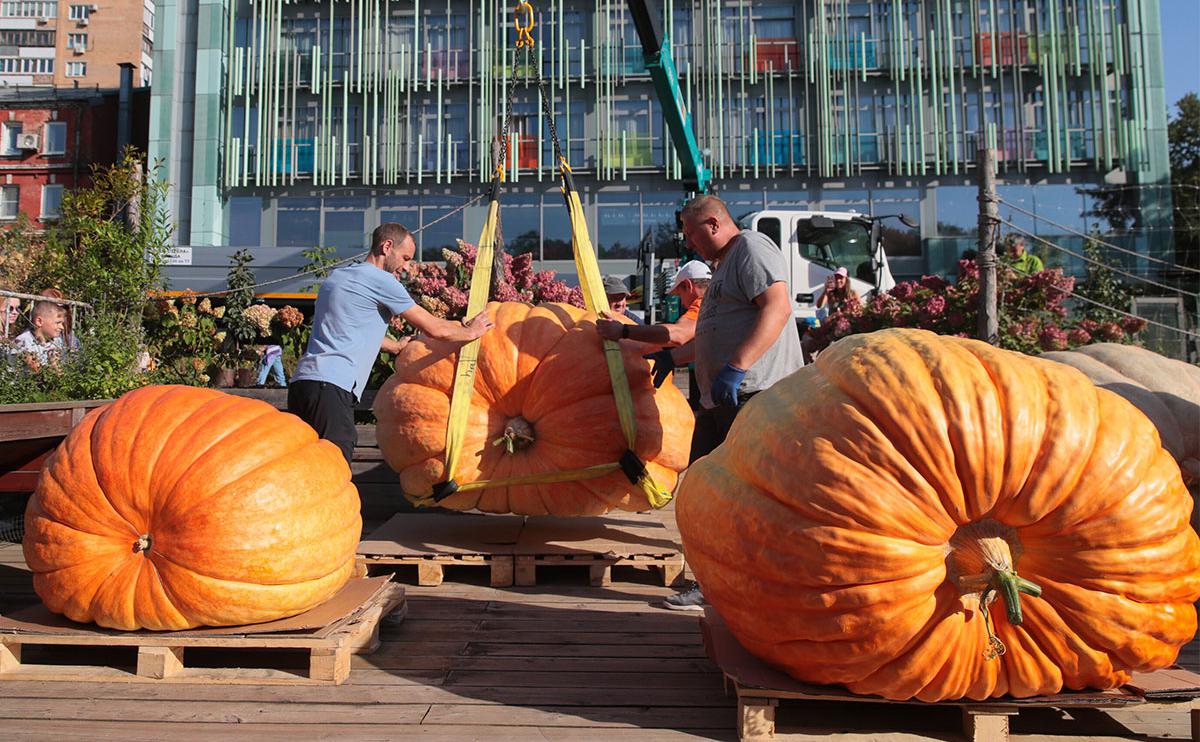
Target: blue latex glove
x=664 y=364
x=725 y=386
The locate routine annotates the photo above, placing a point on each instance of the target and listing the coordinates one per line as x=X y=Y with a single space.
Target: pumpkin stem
x=1010 y=586
x=142 y=544
x=982 y=558
x=517 y=436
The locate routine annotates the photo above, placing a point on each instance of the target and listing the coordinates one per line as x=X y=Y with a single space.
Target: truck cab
x=817 y=243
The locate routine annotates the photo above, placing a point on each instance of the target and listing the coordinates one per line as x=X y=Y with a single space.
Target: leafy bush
x=106 y=250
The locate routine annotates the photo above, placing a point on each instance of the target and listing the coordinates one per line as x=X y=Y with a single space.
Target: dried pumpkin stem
x=518 y=435
x=142 y=545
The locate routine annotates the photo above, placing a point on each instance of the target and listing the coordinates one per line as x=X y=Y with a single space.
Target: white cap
x=691 y=270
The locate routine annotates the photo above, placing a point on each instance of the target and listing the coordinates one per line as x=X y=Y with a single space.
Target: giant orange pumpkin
x=860 y=509
x=176 y=507
x=543 y=403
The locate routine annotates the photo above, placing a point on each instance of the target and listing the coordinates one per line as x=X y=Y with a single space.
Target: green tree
x=1183 y=134
x=107 y=250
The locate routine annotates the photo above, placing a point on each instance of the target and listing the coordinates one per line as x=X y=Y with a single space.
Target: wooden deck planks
x=552 y=662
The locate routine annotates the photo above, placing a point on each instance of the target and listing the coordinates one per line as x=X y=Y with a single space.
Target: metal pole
x=989 y=214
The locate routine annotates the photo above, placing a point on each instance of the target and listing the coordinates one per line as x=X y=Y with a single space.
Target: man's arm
x=444 y=329
x=392 y=345
x=669 y=335
x=776 y=313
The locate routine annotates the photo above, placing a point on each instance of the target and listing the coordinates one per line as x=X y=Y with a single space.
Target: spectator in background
x=271 y=362
x=1023 y=261
x=9 y=317
x=37 y=346
x=618 y=298
x=838 y=293
x=68 y=340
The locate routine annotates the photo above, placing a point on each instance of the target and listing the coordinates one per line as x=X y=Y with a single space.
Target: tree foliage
x=107 y=250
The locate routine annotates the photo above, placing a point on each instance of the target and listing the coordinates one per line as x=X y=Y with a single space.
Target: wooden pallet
x=431 y=567
x=432 y=541
x=513 y=547
x=599 y=544
x=599 y=566
x=327 y=636
x=760 y=689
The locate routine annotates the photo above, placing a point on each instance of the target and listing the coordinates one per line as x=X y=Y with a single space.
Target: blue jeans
x=275 y=366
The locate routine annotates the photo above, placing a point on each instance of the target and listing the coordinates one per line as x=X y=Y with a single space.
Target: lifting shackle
x=524 y=32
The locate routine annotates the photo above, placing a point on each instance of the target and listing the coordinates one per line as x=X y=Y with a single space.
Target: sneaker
x=688 y=600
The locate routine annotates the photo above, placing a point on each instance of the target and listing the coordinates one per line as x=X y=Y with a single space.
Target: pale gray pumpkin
x=1165 y=390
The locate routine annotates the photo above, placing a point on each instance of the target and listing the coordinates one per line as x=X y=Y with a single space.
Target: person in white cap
x=689 y=285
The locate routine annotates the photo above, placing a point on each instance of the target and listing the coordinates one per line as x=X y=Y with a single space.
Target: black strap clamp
x=442 y=490
x=632 y=466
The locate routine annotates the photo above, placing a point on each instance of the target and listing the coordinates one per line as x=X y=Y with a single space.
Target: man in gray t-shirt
x=746 y=339
x=731 y=313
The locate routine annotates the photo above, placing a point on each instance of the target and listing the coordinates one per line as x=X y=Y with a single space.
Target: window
x=26 y=65
x=77 y=41
x=771 y=228
x=76 y=69
x=10 y=201
x=11 y=131
x=55 y=134
x=51 y=201
x=28 y=9
x=245 y=221
x=298 y=222
x=26 y=38
x=80 y=12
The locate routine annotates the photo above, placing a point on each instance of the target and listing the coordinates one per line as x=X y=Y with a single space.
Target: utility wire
x=1074 y=295
x=1101 y=263
x=337 y=264
x=1097 y=240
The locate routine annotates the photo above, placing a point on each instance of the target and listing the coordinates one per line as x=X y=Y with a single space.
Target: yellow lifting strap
x=594 y=299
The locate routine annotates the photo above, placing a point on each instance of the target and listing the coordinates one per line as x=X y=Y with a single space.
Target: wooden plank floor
x=556 y=662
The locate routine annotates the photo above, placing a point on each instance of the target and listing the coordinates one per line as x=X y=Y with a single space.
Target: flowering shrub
x=443 y=289
x=260 y=316
x=185 y=336
x=1033 y=311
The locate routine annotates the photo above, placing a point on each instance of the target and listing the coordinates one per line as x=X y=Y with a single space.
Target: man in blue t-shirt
x=354 y=307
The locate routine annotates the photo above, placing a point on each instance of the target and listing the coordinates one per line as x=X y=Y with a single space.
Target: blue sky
x=1181 y=48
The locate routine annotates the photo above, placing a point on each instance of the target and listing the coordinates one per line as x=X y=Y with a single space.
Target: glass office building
x=286 y=125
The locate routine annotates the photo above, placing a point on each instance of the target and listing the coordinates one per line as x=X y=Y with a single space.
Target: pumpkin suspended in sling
x=176 y=507
x=860 y=510
x=542 y=403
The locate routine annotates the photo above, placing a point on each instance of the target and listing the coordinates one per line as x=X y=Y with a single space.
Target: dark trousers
x=712 y=426
x=329 y=409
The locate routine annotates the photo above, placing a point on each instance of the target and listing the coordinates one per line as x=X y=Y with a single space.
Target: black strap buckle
x=442 y=490
x=632 y=466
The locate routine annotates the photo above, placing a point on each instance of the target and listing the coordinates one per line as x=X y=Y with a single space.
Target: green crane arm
x=656 y=49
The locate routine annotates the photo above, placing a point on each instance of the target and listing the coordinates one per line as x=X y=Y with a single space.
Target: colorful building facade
x=286 y=125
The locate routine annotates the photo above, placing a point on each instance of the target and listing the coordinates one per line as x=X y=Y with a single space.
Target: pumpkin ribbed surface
x=176 y=507
x=543 y=403
x=850 y=523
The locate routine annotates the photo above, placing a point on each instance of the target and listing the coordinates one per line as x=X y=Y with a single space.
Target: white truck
x=817 y=243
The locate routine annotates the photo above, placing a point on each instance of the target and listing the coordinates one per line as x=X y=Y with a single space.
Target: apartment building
x=51 y=137
x=74 y=43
